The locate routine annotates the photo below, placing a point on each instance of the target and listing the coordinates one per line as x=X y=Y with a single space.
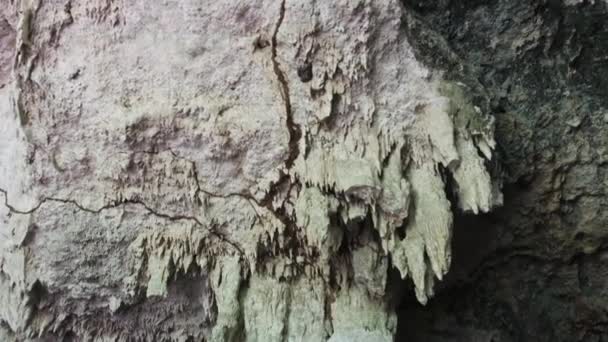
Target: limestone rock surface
x=227 y=170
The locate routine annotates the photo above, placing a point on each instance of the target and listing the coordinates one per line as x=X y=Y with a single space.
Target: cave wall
x=226 y=171
x=534 y=270
x=303 y=170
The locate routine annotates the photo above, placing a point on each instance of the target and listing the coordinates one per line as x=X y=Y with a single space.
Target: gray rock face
x=292 y=170
x=225 y=171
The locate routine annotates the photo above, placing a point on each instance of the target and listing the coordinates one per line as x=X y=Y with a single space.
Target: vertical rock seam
x=292 y=127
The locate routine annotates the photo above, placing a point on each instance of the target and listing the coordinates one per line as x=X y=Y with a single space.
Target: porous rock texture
x=226 y=171
x=260 y=170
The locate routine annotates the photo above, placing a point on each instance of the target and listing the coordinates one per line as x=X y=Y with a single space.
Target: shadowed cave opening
x=529 y=271
x=473 y=239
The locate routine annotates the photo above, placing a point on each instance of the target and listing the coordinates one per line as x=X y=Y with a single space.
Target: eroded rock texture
x=226 y=171
x=535 y=269
x=292 y=170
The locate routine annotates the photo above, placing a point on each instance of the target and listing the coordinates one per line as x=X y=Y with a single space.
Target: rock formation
x=534 y=269
x=285 y=170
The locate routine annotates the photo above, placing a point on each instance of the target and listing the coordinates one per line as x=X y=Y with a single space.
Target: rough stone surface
x=535 y=269
x=230 y=171
x=293 y=170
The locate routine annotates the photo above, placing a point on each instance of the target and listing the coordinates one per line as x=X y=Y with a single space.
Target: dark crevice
x=295 y=241
x=293 y=129
x=473 y=242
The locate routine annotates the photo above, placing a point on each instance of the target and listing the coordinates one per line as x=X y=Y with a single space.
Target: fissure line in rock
x=169 y=217
x=292 y=127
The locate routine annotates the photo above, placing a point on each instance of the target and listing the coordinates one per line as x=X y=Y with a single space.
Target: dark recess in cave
x=534 y=270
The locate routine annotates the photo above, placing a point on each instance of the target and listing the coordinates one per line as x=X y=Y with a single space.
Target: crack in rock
x=294 y=131
x=169 y=217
